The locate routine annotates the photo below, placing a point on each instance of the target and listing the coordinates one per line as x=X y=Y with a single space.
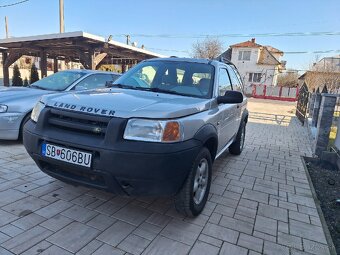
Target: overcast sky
x=184 y=20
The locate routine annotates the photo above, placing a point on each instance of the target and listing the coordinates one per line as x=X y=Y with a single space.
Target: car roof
x=87 y=71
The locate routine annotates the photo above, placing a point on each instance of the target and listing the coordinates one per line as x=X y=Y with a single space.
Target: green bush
x=16 y=78
x=34 y=74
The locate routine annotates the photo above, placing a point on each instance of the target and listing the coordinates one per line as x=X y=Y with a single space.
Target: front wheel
x=237 y=146
x=191 y=199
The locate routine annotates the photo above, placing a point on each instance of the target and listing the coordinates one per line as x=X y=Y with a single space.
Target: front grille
x=79 y=122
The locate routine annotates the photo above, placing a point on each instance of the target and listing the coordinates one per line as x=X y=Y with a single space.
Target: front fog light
x=37 y=110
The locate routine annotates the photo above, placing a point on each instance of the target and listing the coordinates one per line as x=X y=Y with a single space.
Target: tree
x=34 y=74
x=288 y=79
x=25 y=82
x=209 y=48
x=323 y=73
x=16 y=79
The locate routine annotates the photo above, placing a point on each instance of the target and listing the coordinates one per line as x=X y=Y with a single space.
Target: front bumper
x=118 y=166
x=10 y=125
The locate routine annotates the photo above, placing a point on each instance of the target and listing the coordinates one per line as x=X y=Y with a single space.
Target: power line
x=285 y=52
x=16 y=3
x=198 y=36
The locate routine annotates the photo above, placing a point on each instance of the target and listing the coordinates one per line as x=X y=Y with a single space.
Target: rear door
x=237 y=85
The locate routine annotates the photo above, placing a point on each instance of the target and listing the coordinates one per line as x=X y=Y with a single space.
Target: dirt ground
x=271 y=106
x=326 y=182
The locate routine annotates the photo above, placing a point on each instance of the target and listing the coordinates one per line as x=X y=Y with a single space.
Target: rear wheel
x=237 y=146
x=191 y=199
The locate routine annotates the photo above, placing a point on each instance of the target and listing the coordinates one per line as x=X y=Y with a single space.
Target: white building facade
x=257 y=64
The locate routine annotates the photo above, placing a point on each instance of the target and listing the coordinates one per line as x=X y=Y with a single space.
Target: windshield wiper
x=156 y=89
x=38 y=87
x=121 y=86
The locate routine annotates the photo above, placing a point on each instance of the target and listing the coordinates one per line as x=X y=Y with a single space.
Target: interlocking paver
x=273 y=212
x=73 y=237
x=116 y=233
x=231 y=249
x=260 y=202
x=308 y=231
x=250 y=242
x=221 y=233
x=162 y=245
x=26 y=240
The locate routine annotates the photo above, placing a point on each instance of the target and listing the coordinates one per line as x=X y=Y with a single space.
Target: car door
x=228 y=111
x=237 y=85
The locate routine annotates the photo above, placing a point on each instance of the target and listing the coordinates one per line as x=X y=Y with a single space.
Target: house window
x=244 y=55
x=255 y=77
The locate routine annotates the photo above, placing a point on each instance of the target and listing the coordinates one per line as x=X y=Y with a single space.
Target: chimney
x=253 y=40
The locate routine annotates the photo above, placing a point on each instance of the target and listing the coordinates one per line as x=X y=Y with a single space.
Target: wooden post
x=5 y=69
x=55 y=65
x=43 y=63
x=6 y=26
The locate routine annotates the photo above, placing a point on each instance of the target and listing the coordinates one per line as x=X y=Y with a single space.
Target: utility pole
x=61 y=16
x=127 y=39
x=6 y=26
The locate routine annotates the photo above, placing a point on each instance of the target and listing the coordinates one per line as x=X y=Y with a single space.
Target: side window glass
x=223 y=82
x=235 y=80
x=94 y=81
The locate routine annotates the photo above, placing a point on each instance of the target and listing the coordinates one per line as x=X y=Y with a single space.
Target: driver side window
x=94 y=81
x=223 y=82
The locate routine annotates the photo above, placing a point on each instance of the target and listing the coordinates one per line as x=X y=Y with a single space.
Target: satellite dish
x=134 y=44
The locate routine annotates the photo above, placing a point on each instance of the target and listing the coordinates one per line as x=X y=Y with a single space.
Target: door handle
x=218 y=123
x=238 y=106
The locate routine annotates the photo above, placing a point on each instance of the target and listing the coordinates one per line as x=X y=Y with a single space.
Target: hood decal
x=85 y=109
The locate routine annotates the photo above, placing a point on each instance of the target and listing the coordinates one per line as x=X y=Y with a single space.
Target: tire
x=237 y=146
x=21 y=130
x=189 y=202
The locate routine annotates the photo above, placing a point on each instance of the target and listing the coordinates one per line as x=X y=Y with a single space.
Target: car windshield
x=173 y=77
x=58 y=81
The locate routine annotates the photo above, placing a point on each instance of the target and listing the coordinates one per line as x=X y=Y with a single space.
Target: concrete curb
x=318 y=207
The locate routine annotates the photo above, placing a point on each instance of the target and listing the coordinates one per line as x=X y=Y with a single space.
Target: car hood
x=127 y=103
x=20 y=93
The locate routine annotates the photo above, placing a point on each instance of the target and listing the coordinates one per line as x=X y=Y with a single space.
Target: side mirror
x=109 y=83
x=230 y=97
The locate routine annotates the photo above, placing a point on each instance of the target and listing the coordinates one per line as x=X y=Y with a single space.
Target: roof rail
x=224 y=60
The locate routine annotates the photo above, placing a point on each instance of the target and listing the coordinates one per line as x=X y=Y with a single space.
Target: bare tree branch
x=209 y=48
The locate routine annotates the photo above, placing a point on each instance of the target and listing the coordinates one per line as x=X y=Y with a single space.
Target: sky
x=183 y=20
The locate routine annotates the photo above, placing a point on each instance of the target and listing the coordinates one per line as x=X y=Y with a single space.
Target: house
x=256 y=63
x=324 y=72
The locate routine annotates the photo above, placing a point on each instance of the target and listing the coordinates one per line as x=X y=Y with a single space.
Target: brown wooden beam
x=5 y=69
x=43 y=63
x=55 y=65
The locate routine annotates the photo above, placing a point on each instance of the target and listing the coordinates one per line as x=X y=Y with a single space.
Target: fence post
x=316 y=109
x=324 y=124
x=311 y=105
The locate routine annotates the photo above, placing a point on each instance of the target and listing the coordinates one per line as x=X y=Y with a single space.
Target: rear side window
x=223 y=82
x=235 y=79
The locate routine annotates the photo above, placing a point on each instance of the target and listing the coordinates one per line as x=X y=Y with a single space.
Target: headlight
x=37 y=110
x=3 y=108
x=153 y=130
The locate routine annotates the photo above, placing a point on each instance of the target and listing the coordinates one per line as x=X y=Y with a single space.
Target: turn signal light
x=172 y=132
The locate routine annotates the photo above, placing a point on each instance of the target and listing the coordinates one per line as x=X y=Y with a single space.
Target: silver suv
x=155 y=131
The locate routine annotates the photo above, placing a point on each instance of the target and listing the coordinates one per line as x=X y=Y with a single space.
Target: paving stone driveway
x=260 y=202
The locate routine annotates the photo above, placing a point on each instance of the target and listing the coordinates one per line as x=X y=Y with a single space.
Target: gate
x=301 y=107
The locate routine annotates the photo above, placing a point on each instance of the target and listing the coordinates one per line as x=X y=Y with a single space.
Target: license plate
x=67 y=155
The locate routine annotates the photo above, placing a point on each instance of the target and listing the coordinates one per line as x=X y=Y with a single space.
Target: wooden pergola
x=90 y=50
